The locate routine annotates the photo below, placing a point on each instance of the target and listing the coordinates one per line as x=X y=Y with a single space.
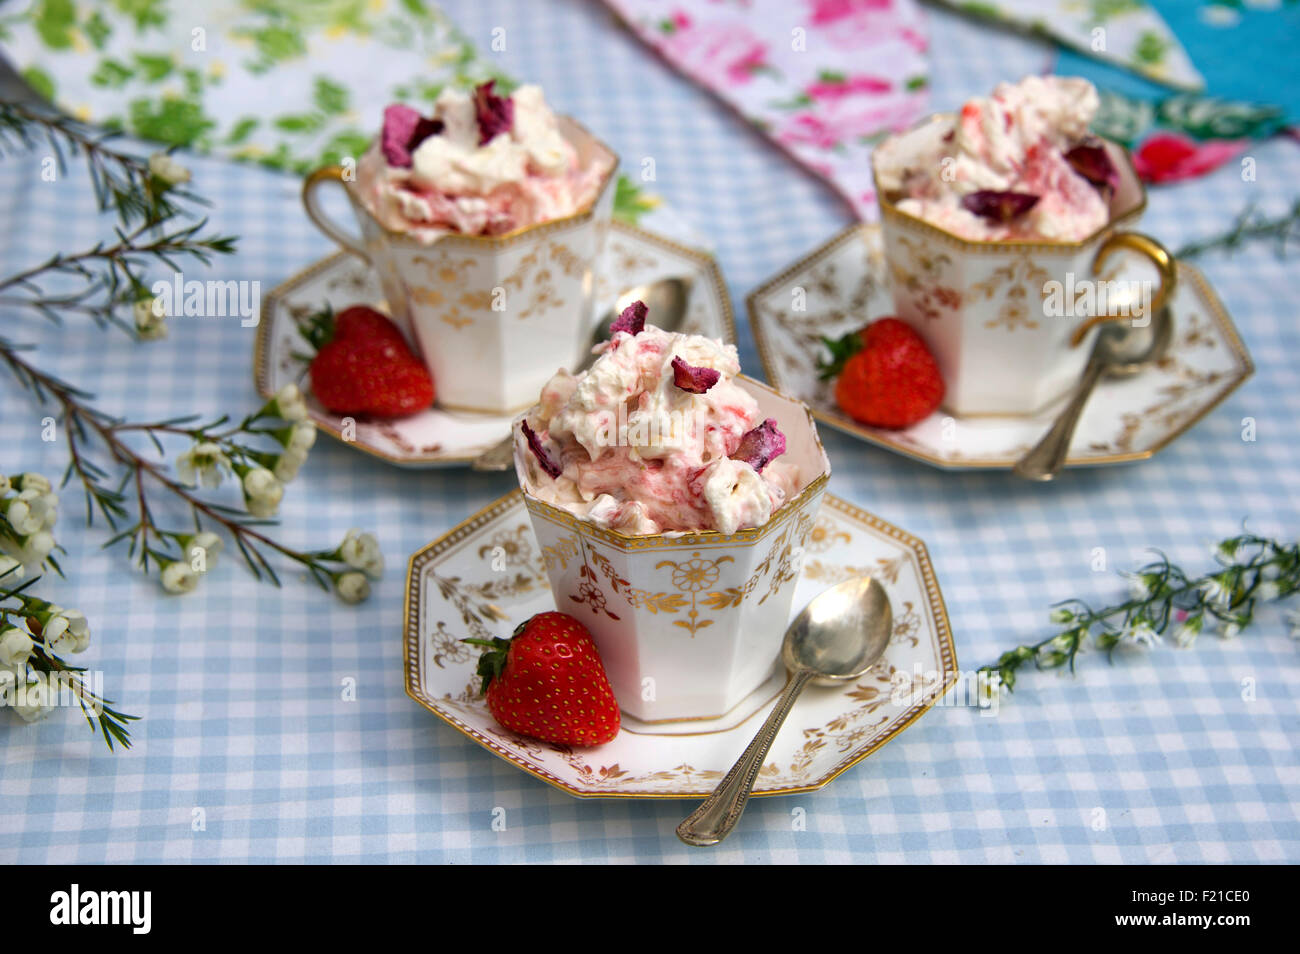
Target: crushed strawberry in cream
x=1005 y=167
x=482 y=164
x=638 y=452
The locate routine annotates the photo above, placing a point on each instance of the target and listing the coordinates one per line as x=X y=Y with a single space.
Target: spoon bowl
x=837 y=637
x=841 y=634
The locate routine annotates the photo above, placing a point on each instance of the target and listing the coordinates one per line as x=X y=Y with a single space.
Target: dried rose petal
x=404 y=130
x=761 y=446
x=496 y=114
x=998 y=206
x=535 y=445
x=1092 y=161
x=695 y=380
x=632 y=320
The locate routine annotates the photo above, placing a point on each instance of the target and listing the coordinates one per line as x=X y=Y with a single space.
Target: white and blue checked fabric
x=1162 y=757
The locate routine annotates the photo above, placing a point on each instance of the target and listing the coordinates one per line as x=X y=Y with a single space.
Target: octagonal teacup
x=1010 y=321
x=493 y=315
x=688 y=624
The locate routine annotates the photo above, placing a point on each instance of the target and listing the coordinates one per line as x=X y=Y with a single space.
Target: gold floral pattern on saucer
x=485 y=576
x=441 y=437
x=846 y=283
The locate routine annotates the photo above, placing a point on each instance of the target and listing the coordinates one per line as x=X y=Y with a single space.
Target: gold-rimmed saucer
x=843 y=284
x=443 y=437
x=486 y=575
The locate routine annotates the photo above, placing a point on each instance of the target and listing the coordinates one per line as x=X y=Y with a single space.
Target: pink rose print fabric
x=825 y=79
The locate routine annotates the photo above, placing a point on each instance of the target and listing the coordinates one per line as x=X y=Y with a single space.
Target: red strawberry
x=364 y=366
x=547 y=681
x=886 y=375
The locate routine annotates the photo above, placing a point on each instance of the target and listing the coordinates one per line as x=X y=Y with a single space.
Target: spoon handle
x=1048 y=456
x=718 y=814
x=497 y=457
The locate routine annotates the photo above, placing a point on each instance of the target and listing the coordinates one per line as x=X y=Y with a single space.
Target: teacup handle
x=310 y=202
x=1144 y=245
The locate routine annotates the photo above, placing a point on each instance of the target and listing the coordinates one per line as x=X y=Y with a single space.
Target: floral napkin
x=825 y=79
x=287 y=84
x=252 y=84
x=1183 y=135
x=1128 y=33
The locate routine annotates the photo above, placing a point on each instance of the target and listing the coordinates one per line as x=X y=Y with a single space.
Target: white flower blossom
x=1215 y=591
x=361 y=551
x=262 y=492
x=36 y=699
x=31 y=551
x=26 y=513
x=1187 y=631
x=209 y=543
x=1139 y=586
x=205 y=463
x=1268 y=591
x=287 y=465
x=16 y=647
x=34 y=481
x=352 y=587
x=1226 y=552
x=1229 y=628
x=1140 y=632
x=290 y=404
x=168 y=169
x=66 y=631
x=150 y=319
x=302 y=437
x=179 y=577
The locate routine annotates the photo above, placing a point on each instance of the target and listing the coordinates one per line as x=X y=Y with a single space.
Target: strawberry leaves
x=841 y=350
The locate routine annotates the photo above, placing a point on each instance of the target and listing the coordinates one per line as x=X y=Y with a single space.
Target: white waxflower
x=179 y=577
x=287 y=465
x=352 y=587
x=15 y=647
x=290 y=404
x=205 y=463
x=36 y=699
x=1229 y=628
x=361 y=550
x=1216 y=591
x=1187 y=631
x=150 y=319
x=1062 y=615
x=26 y=512
x=32 y=551
x=11 y=571
x=34 y=481
x=168 y=169
x=66 y=631
x=262 y=492
x=1140 y=633
x=209 y=543
x=302 y=437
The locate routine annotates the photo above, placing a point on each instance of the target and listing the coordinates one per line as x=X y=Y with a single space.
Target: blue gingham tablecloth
x=240 y=684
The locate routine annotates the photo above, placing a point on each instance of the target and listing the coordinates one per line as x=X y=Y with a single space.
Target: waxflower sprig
x=1250 y=227
x=35 y=634
x=148 y=197
x=1164 y=600
x=181 y=557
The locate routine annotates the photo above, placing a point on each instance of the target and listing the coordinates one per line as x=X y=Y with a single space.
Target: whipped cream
x=523 y=176
x=638 y=454
x=1012 y=141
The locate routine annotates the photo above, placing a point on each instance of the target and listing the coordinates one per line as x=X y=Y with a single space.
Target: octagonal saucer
x=844 y=284
x=485 y=576
x=440 y=437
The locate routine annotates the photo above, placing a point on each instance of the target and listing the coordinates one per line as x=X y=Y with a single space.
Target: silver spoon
x=1120 y=351
x=665 y=301
x=838 y=637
